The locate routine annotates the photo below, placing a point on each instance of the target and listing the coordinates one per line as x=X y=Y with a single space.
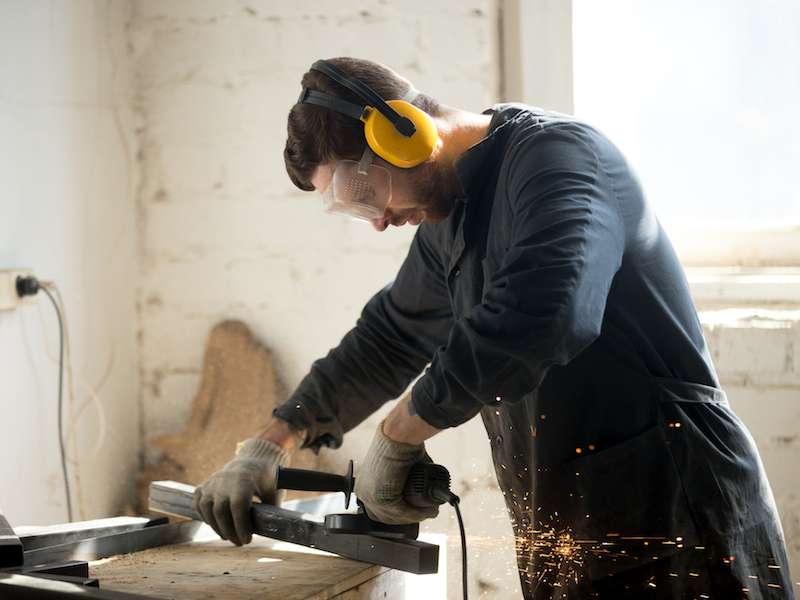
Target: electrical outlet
x=9 y=300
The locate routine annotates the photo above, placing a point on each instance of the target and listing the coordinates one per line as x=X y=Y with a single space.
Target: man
x=545 y=296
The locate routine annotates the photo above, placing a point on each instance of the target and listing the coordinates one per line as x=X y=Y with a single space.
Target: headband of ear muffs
x=396 y=130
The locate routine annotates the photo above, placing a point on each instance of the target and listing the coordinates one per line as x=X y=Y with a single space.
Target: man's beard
x=437 y=186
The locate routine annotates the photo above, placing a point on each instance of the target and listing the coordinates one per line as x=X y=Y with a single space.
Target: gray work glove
x=225 y=498
x=382 y=477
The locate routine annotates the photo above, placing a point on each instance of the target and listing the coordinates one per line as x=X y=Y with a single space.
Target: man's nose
x=380 y=224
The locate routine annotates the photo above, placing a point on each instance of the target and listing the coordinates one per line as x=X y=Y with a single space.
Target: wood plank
x=217 y=570
x=175 y=498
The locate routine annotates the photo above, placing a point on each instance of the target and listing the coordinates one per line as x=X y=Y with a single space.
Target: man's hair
x=318 y=135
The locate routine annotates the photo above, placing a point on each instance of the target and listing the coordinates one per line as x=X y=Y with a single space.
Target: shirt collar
x=479 y=159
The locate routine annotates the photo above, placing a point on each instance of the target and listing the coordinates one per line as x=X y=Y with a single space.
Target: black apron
x=681 y=509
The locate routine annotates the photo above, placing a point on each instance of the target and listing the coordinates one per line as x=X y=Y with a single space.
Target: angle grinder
x=427 y=485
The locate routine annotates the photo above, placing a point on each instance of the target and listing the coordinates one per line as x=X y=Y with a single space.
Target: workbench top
x=265 y=569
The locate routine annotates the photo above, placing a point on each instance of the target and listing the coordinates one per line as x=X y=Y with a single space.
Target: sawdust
x=238 y=390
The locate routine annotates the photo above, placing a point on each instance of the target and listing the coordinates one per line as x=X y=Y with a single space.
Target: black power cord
x=443 y=494
x=29 y=286
x=455 y=504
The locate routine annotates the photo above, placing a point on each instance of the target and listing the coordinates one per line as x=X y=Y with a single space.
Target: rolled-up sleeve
x=546 y=298
x=395 y=337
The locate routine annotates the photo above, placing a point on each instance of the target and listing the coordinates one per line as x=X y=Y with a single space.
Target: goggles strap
x=410 y=95
x=366 y=161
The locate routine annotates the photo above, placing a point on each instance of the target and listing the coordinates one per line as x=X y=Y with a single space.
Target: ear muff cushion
x=394 y=147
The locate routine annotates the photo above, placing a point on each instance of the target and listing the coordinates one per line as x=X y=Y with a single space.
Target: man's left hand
x=382 y=477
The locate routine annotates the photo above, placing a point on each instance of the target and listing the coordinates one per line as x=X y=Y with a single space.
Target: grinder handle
x=311 y=481
x=316 y=481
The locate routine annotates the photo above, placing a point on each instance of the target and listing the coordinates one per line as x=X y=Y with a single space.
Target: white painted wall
x=67 y=212
x=227 y=235
x=537 y=53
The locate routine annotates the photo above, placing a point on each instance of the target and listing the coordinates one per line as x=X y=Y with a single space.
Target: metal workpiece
x=111 y=545
x=50 y=562
x=75 y=580
x=17 y=586
x=412 y=556
x=33 y=538
x=10 y=545
x=70 y=568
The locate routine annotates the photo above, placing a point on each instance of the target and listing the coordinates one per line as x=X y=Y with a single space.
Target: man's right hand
x=225 y=498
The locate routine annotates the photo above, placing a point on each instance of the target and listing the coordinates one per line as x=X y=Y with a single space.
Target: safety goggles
x=359 y=189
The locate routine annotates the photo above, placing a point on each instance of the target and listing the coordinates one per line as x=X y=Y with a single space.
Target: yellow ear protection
x=396 y=130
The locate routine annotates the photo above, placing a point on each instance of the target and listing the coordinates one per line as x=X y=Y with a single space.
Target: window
x=703 y=98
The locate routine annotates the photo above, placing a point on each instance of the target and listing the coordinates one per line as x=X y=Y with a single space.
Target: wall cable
x=61 y=401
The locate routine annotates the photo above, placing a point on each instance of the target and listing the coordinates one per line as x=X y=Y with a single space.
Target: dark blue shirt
x=552 y=303
x=551 y=251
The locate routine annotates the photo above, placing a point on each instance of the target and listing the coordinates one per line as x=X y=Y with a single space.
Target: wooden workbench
x=265 y=569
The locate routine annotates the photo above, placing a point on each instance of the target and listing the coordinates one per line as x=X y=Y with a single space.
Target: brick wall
x=225 y=234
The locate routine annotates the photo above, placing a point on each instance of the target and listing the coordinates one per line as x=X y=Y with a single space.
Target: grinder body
x=427 y=485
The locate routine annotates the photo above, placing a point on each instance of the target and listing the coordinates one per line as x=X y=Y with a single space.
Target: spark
x=557 y=557
x=560 y=555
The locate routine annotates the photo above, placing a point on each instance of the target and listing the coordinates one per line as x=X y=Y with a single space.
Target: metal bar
x=15 y=586
x=71 y=568
x=33 y=538
x=111 y=545
x=175 y=498
x=84 y=581
x=10 y=546
x=75 y=571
